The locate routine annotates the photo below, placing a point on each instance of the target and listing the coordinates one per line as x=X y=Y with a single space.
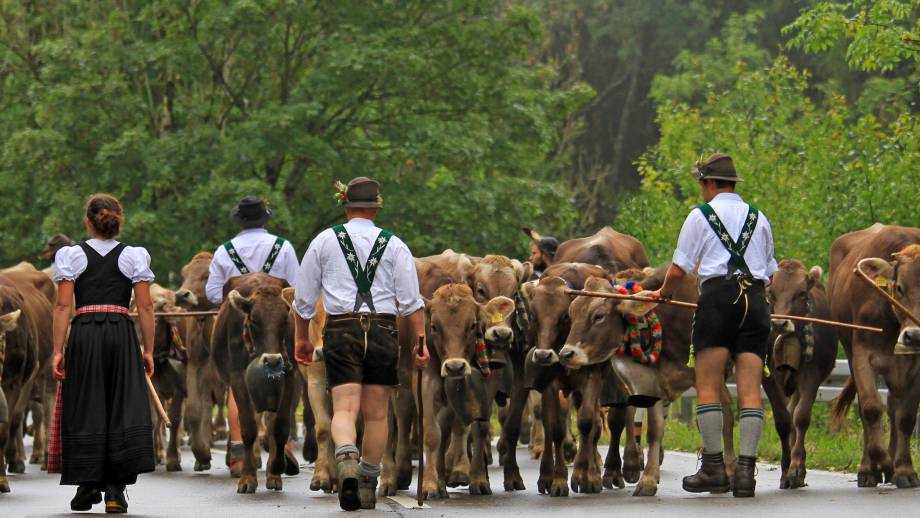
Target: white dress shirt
x=699 y=245
x=253 y=246
x=324 y=270
x=134 y=262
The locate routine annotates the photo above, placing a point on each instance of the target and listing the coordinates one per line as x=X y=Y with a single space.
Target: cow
x=890 y=255
x=607 y=248
x=254 y=332
x=453 y=389
x=802 y=357
x=205 y=387
x=597 y=331
x=27 y=341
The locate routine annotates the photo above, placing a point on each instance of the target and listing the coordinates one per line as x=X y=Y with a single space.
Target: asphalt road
x=201 y=495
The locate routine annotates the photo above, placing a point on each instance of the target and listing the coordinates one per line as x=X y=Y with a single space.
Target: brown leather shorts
x=361 y=348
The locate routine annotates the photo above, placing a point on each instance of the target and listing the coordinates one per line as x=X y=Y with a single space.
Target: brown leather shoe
x=744 y=482
x=346 y=469
x=710 y=478
x=367 y=491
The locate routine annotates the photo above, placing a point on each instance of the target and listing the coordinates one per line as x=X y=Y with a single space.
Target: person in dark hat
x=542 y=251
x=54 y=243
x=367 y=279
x=729 y=244
x=252 y=250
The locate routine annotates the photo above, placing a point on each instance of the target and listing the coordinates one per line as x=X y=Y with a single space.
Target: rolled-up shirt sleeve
x=308 y=283
x=408 y=298
x=689 y=243
x=134 y=263
x=69 y=263
x=218 y=274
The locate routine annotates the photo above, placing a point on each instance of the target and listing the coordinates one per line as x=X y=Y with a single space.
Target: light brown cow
x=895 y=259
x=609 y=249
x=797 y=373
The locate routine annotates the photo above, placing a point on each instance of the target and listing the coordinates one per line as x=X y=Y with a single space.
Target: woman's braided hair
x=105 y=214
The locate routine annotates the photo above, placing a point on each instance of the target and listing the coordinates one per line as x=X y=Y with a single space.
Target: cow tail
x=842 y=402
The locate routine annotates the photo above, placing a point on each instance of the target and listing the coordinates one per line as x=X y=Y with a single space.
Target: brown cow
x=257 y=298
x=453 y=389
x=28 y=348
x=607 y=248
x=894 y=257
x=205 y=387
x=797 y=371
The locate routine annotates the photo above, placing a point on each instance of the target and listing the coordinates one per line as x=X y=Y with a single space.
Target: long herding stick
x=156 y=401
x=420 y=425
x=689 y=305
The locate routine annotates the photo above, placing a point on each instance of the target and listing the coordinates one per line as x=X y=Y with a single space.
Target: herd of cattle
x=549 y=355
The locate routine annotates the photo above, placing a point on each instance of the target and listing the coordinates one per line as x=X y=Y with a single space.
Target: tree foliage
x=179 y=107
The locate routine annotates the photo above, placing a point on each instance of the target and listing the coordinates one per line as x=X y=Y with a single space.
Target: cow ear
x=636 y=308
x=496 y=310
x=597 y=284
x=527 y=290
x=814 y=276
x=877 y=268
x=240 y=303
x=288 y=295
x=523 y=271
x=9 y=320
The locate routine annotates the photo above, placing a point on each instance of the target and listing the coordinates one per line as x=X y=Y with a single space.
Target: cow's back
x=609 y=249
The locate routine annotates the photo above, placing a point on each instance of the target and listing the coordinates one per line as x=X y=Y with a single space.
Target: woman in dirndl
x=106 y=431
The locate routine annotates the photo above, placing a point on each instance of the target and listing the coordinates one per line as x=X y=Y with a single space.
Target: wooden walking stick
x=420 y=413
x=156 y=401
x=690 y=305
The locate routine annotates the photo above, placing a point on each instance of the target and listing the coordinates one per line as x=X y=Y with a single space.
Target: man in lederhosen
x=730 y=245
x=254 y=249
x=367 y=278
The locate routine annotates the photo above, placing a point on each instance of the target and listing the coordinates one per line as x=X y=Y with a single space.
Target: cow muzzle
x=456 y=368
x=186 y=297
x=264 y=379
x=545 y=357
x=781 y=326
x=908 y=341
x=572 y=356
x=499 y=336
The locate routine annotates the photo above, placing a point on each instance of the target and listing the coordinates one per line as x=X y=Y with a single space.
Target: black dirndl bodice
x=106 y=431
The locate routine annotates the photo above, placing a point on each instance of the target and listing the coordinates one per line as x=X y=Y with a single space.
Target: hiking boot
x=744 y=483
x=86 y=497
x=367 y=491
x=346 y=469
x=710 y=478
x=115 y=500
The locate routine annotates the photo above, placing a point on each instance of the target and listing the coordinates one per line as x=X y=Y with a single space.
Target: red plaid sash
x=102 y=308
x=55 y=446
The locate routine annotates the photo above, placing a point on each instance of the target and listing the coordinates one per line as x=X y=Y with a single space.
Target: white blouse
x=134 y=262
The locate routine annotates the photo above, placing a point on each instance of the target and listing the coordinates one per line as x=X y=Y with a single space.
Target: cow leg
x=434 y=461
x=219 y=424
x=49 y=399
x=875 y=456
x=782 y=421
x=249 y=429
x=173 y=457
x=905 y=419
x=323 y=476
x=387 y=485
x=39 y=419
x=586 y=476
x=807 y=391
x=279 y=433
x=310 y=450
x=511 y=432
x=479 y=473
x=633 y=456
x=728 y=431
x=198 y=414
x=535 y=409
x=613 y=467
x=457 y=458
x=405 y=416
x=553 y=466
x=648 y=484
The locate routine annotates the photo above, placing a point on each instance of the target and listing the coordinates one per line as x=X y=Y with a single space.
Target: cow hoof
x=35 y=459
x=585 y=483
x=796 y=478
x=291 y=466
x=173 y=466
x=202 y=466
x=866 y=479
x=45 y=464
x=17 y=467
x=431 y=493
x=784 y=482
x=906 y=480
x=273 y=482
x=559 y=488
x=513 y=481
x=644 y=489
x=613 y=478
x=4 y=485
x=457 y=479
x=320 y=483
x=387 y=488
x=480 y=487
x=310 y=451
x=888 y=471
x=236 y=469
x=404 y=479
x=544 y=484
x=247 y=484
x=632 y=475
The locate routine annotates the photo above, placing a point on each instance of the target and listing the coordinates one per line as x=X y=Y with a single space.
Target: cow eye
x=434 y=329
x=481 y=292
x=599 y=317
x=899 y=289
x=472 y=326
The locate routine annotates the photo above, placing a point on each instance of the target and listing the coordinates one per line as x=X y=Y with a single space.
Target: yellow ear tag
x=497 y=318
x=881 y=282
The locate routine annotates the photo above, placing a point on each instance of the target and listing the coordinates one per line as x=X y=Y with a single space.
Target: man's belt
x=345 y=317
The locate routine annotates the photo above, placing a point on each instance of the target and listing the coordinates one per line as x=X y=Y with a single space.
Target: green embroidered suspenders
x=269 y=262
x=363 y=277
x=736 y=248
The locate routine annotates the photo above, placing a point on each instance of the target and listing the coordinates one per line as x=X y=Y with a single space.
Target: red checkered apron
x=54 y=438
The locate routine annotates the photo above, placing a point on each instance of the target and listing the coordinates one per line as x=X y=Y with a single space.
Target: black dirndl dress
x=106 y=430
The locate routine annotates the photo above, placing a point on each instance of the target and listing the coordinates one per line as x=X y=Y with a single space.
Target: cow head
x=8 y=321
x=598 y=325
x=268 y=314
x=455 y=320
x=498 y=276
x=549 y=306
x=904 y=273
x=789 y=292
x=191 y=295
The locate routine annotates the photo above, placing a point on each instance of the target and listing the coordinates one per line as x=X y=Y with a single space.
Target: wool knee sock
x=751 y=427
x=368 y=470
x=346 y=448
x=709 y=421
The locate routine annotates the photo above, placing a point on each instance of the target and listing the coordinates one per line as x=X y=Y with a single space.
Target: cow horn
x=9 y=320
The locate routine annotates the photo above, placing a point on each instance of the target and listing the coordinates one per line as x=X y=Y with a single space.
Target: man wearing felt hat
x=729 y=244
x=253 y=249
x=542 y=251
x=367 y=279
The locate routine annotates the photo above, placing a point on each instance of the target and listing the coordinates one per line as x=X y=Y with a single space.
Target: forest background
x=478 y=117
